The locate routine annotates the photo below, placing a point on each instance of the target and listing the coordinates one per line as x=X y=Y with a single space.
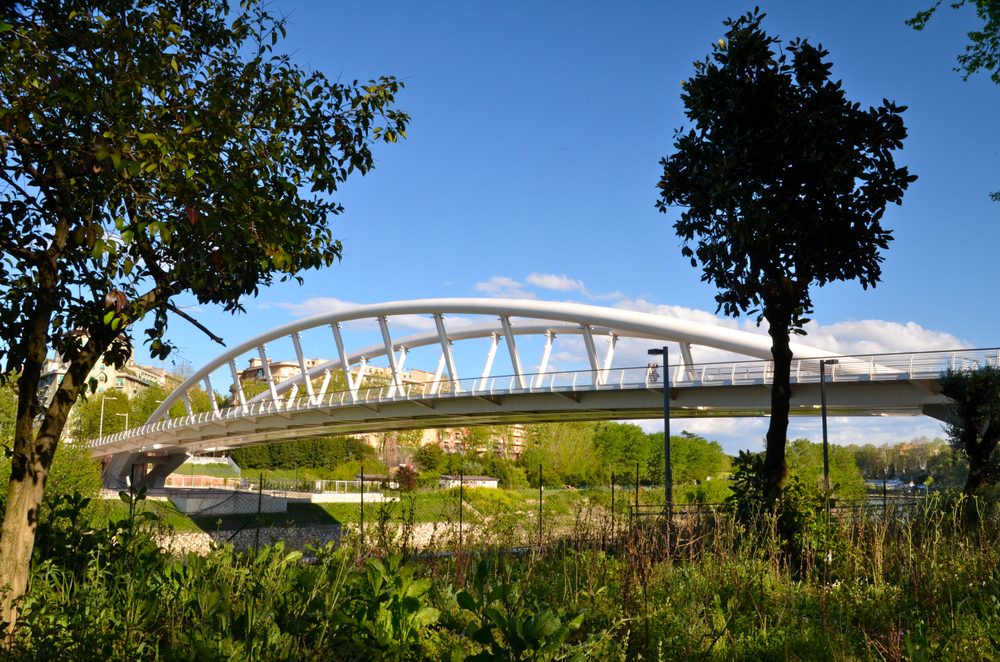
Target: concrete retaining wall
x=226 y=502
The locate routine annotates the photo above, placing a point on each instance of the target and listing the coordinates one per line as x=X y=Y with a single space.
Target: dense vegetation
x=324 y=452
x=580 y=454
x=862 y=585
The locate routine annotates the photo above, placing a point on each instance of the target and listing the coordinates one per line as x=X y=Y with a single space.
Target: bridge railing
x=857 y=368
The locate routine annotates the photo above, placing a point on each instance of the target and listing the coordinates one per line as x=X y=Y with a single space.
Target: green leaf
x=426 y=616
x=466 y=601
x=419 y=587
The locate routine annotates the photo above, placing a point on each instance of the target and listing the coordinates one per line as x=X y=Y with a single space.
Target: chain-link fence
x=465 y=512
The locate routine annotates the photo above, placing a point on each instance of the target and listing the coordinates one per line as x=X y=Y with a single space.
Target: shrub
x=73 y=472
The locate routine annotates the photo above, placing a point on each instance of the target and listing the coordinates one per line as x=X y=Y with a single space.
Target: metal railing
x=850 y=369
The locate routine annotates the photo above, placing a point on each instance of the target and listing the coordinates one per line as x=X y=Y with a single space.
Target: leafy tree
x=148 y=149
x=429 y=457
x=406 y=477
x=324 y=452
x=805 y=460
x=507 y=473
x=503 y=438
x=252 y=387
x=793 y=511
x=466 y=463
x=783 y=184
x=620 y=447
x=982 y=53
x=695 y=458
x=86 y=420
x=479 y=438
x=873 y=461
x=973 y=425
x=566 y=452
x=948 y=468
x=73 y=472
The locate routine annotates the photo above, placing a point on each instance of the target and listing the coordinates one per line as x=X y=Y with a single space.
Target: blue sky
x=532 y=159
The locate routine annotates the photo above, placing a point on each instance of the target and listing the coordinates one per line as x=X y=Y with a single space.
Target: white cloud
x=879 y=337
x=316 y=306
x=849 y=337
x=510 y=288
x=504 y=287
x=610 y=296
x=865 y=429
x=558 y=283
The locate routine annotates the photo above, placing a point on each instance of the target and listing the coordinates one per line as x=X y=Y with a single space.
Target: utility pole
x=668 y=476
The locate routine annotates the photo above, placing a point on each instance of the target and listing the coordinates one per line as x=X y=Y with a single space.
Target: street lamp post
x=668 y=476
x=822 y=400
x=126 y=419
x=100 y=426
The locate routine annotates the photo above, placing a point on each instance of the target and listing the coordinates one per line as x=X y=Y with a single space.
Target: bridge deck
x=894 y=385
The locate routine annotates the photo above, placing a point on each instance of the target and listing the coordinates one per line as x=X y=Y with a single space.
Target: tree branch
x=28 y=198
x=29 y=256
x=174 y=309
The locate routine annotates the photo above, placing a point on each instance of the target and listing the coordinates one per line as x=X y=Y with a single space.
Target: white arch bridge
x=598 y=369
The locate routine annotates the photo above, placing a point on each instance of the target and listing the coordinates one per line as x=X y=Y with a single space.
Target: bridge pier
x=141 y=470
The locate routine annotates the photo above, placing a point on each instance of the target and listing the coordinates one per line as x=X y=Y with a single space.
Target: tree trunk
x=980 y=464
x=24 y=499
x=30 y=464
x=977 y=478
x=781 y=393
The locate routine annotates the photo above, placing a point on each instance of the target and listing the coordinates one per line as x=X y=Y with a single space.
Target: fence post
x=362 y=526
x=539 y=507
x=636 y=493
x=885 y=497
x=612 y=507
x=461 y=492
x=260 y=503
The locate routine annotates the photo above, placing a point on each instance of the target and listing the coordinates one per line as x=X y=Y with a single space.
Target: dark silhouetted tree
x=782 y=183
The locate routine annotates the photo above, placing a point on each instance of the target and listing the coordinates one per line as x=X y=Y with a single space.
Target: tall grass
x=860 y=584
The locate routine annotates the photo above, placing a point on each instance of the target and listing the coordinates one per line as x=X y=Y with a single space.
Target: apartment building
x=130 y=378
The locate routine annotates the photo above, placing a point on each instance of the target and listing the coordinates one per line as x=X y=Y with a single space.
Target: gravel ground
x=293 y=537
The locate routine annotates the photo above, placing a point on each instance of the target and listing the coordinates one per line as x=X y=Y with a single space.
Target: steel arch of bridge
x=298 y=407
x=550 y=318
